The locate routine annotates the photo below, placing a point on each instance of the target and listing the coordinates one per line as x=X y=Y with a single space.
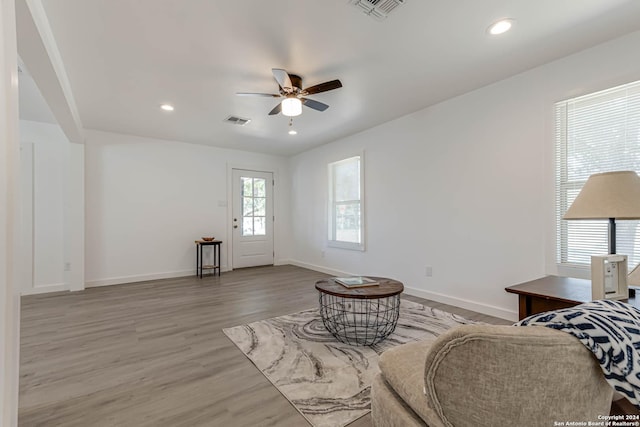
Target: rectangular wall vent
x=237 y=120
x=378 y=9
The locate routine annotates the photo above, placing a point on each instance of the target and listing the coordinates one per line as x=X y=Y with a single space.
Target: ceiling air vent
x=237 y=120
x=378 y=9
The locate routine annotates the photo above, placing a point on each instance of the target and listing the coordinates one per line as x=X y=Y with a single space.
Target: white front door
x=252 y=220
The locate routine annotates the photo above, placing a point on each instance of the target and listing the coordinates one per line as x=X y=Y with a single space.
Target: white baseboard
x=445 y=299
x=490 y=310
x=442 y=298
x=138 y=278
x=319 y=268
x=45 y=289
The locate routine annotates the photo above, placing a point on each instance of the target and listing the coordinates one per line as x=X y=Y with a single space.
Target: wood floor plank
x=153 y=353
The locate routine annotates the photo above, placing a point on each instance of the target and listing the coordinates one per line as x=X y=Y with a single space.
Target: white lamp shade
x=608 y=195
x=291 y=107
x=634 y=277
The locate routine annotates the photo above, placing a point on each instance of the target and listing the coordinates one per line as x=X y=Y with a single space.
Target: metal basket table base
x=359 y=321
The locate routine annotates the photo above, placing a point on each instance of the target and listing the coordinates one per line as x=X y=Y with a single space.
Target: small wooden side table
x=216 y=256
x=553 y=293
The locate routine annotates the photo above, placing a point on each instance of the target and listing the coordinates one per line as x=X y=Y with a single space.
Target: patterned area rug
x=327 y=381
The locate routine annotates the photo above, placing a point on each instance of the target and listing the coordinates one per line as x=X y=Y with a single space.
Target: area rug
x=327 y=381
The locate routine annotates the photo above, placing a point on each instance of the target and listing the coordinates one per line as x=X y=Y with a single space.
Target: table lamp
x=609 y=195
x=634 y=277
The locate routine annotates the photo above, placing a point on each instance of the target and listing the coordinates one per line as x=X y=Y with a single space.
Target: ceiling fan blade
x=276 y=109
x=282 y=77
x=268 y=95
x=314 y=104
x=323 y=87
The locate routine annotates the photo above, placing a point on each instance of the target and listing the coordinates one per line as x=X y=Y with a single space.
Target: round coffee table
x=360 y=316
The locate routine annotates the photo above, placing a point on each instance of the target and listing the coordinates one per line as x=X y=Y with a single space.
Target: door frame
x=255 y=168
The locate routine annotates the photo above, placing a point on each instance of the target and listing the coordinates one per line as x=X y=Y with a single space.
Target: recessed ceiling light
x=167 y=107
x=500 y=27
x=293 y=132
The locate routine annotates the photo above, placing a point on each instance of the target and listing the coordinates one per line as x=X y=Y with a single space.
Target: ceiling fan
x=294 y=95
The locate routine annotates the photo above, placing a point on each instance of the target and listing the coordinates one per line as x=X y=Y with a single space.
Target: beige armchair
x=486 y=375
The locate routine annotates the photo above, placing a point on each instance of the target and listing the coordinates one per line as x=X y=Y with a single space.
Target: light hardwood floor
x=153 y=353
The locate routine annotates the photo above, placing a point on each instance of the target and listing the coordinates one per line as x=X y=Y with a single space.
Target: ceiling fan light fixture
x=290 y=88
x=291 y=107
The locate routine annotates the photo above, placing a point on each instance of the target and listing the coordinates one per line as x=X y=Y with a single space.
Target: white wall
x=11 y=269
x=465 y=186
x=147 y=200
x=53 y=208
x=49 y=165
x=74 y=218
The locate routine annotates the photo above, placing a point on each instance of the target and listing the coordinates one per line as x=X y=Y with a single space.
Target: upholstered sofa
x=487 y=375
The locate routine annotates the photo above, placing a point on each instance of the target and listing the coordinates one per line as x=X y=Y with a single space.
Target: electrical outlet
x=428 y=271
x=67 y=266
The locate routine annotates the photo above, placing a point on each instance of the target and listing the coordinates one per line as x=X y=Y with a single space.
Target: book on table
x=355 y=282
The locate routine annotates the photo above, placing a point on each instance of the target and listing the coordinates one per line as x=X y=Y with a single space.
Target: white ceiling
x=125 y=58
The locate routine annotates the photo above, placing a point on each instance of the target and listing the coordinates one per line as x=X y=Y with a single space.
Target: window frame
x=332 y=204
x=564 y=185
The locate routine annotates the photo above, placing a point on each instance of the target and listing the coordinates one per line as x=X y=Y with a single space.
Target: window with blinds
x=599 y=132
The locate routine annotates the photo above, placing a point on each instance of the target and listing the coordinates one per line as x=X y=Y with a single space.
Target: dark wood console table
x=552 y=293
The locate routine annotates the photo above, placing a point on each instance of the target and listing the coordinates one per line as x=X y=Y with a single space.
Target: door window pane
x=259 y=187
x=247 y=186
x=259 y=206
x=254 y=206
x=247 y=226
x=259 y=226
x=247 y=206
